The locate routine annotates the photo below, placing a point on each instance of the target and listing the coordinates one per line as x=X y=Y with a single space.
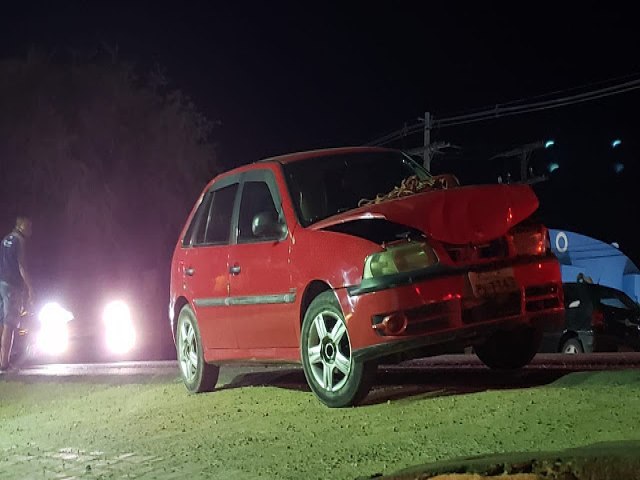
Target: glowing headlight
x=120 y=334
x=399 y=258
x=53 y=336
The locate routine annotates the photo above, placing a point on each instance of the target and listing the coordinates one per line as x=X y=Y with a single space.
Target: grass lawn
x=154 y=429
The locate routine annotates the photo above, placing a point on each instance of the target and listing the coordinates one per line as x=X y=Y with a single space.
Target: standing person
x=15 y=285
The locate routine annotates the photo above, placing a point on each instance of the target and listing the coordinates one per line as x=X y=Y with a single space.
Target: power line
x=507 y=109
x=572 y=89
x=500 y=111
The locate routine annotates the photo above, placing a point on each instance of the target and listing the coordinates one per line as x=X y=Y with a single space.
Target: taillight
x=597 y=319
x=533 y=240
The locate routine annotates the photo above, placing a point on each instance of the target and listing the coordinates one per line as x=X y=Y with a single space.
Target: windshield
x=324 y=186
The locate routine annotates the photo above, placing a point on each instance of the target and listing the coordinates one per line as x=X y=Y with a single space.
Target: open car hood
x=461 y=215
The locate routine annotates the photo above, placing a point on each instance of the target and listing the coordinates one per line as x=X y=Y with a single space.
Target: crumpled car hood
x=461 y=215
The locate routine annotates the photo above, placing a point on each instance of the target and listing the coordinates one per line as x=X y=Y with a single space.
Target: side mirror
x=266 y=224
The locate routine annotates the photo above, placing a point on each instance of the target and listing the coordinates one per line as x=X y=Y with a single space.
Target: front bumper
x=439 y=308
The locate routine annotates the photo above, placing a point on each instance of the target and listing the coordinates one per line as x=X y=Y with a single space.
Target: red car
x=345 y=258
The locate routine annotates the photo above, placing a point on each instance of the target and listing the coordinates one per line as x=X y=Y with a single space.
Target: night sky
x=280 y=77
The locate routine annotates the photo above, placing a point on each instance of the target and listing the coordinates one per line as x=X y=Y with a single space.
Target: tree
x=106 y=162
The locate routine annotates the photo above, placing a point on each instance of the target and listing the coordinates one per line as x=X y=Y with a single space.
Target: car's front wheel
x=331 y=371
x=197 y=375
x=508 y=350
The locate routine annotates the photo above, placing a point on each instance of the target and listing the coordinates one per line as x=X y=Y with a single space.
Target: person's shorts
x=10 y=305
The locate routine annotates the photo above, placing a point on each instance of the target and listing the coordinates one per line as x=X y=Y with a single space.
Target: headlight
x=399 y=258
x=53 y=313
x=53 y=337
x=120 y=334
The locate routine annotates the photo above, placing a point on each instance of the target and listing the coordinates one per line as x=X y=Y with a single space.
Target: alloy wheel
x=571 y=349
x=329 y=351
x=188 y=351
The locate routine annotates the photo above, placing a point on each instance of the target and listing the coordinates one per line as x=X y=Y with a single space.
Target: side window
x=198 y=222
x=218 y=224
x=256 y=198
x=613 y=302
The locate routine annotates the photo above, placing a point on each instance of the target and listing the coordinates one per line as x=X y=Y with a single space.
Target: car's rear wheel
x=573 y=346
x=331 y=371
x=508 y=350
x=197 y=375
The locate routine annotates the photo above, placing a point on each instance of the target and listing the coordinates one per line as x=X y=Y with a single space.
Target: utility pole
x=524 y=153
x=426 y=152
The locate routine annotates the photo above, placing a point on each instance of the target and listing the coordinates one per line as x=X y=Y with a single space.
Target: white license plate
x=495 y=282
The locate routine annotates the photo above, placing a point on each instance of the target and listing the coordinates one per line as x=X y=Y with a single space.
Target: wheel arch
x=315 y=288
x=567 y=335
x=177 y=306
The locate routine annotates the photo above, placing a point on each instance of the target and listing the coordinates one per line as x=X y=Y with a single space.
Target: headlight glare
x=53 y=336
x=120 y=333
x=54 y=313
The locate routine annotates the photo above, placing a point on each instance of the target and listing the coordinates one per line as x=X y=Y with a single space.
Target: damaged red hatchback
x=345 y=258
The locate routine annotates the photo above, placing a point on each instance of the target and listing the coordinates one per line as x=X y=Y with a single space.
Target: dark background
x=282 y=76
x=277 y=77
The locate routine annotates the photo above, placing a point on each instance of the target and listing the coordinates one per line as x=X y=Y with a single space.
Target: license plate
x=487 y=284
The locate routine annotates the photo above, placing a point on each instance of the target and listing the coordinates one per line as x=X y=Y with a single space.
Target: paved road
x=594 y=361
x=454 y=374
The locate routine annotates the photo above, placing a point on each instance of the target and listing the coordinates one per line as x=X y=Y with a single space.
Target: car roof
x=297 y=156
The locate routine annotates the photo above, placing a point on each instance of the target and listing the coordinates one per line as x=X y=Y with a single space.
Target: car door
x=206 y=265
x=260 y=296
x=620 y=316
x=578 y=308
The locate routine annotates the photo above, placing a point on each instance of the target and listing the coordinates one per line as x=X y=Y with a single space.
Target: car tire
x=329 y=367
x=572 y=346
x=198 y=376
x=509 y=350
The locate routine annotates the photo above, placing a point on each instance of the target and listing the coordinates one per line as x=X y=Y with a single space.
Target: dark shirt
x=10 y=253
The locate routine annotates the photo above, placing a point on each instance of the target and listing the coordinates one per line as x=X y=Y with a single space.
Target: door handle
x=189 y=271
x=234 y=269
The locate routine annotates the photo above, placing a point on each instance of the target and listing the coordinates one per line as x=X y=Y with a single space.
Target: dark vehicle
x=45 y=337
x=598 y=319
x=55 y=335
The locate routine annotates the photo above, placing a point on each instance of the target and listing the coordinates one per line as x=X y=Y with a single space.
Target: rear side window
x=618 y=300
x=211 y=223
x=219 y=221
x=199 y=219
x=613 y=302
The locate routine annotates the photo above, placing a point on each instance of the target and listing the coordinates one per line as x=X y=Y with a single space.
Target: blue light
x=553 y=167
x=549 y=143
x=616 y=143
x=618 y=167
